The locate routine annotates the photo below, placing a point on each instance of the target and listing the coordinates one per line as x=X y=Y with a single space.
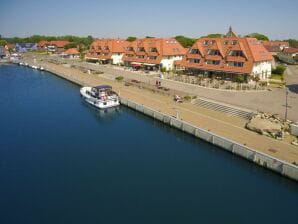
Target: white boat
x=34 y=67
x=100 y=96
x=41 y=68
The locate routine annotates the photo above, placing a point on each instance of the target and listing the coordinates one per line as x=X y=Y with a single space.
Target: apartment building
x=107 y=51
x=227 y=57
x=153 y=53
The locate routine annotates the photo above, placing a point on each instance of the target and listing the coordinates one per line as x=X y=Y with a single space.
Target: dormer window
x=206 y=42
x=213 y=52
x=212 y=62
x=236 y=63
x=141 y=49
x=194 y=61
x=234 y=42
x=152 y=49
x=130 y=48
x=226 y=42
x=194 y=51
x=236 y=53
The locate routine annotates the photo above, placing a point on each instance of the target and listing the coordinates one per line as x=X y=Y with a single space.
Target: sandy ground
x=218 y=123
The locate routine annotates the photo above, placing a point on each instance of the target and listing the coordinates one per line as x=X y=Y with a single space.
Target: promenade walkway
x=272 y=102
x=229 y=127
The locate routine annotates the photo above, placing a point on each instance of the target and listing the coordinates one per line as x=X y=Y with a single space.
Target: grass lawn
x=37 y=52
x=277 y=77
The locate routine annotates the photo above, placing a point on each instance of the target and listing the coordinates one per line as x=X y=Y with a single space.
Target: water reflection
x=103 y=114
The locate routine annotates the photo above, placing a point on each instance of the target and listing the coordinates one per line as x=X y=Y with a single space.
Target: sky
x=277 y=19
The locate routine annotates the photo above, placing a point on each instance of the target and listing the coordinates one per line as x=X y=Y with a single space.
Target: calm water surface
x=62 y=161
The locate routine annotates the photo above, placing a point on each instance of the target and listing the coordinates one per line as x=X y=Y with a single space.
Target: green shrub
x=98 y=72
x=119 y=78
x=163 y=69
x=279 y=70
x=187 y=97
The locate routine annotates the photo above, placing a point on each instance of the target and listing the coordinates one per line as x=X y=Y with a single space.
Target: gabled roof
x=258 y=50
x=252 y=51
x=113 y=45
x=59 y=43
x=290 y=50
x=72 y=51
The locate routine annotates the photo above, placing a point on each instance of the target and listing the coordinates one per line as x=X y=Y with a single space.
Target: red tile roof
x=72 y=51
x=162 y=47
x=104 y=48
x=57 y=43
x=275 y=46
x=251 y=51
x=290 y=50
x=276 y=43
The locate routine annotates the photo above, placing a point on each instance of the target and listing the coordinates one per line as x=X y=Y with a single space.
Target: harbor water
x=63 y=161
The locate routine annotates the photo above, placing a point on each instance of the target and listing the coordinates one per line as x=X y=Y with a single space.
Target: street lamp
x=287 y=106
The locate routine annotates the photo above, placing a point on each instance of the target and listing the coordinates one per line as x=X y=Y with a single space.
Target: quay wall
x=281 y=167
x=261 y=159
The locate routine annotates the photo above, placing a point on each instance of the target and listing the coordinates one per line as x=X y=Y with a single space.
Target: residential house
x=153 y=53
x=289 y=55
x=54 y=46
x=23 y=47
x=228 y=57
x=2 y=52
x=72 y=53
x=107 y=51
x=275 y=46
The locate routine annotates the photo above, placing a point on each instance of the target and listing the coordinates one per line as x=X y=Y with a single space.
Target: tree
x=214 y=35
x=185 y=41
x=258 y=36
x=149 y=37
x=239 y=78
x=3 y=42
x=70 y=45
x=131 y=39
x=279 y=70
x=293 y=43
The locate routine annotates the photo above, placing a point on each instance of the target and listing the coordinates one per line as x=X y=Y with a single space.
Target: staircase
x=224 y=108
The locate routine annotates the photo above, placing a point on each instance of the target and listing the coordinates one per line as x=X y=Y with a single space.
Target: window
x=236 y=63
x=213 y=62
x=152 y=49
x=213 y=52
x=130 y=48
x=206 y=42
x=141 y=56
x=226 y=42
x=152 y=57
x=234 y=42
x=194 y=51
x=141 y=49
x=236 y=53
x=129 y=55
x=195 y=61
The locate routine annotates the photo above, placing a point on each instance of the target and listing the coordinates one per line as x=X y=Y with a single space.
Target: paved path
x=229 y=127
x=272 y=102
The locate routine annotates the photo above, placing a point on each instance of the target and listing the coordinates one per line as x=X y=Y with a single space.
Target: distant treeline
x=84 y=42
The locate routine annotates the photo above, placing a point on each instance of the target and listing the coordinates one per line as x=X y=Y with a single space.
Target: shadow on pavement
x=293 y=88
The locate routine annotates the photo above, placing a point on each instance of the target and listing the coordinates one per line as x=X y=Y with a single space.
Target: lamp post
x=287 y=106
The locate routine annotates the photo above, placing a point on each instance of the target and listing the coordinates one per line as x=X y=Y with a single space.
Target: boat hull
x=98 y=103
